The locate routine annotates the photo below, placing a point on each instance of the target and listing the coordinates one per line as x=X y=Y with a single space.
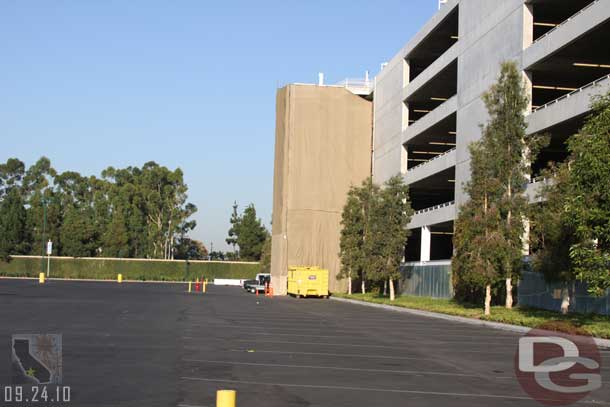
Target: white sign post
x=49 y=251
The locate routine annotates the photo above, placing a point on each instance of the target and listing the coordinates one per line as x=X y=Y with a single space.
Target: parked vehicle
x=262 y=279
x=248 y=284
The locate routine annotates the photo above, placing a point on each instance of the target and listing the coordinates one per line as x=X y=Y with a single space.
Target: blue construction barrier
x=535 y=292
x=432 y=279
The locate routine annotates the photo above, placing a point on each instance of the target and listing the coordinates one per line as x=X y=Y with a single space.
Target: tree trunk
x=509 y=292
x=349 y=284
x=385 y=288
x=488 y=299
x=363 y=287
x=565 y=300
x=392 y=293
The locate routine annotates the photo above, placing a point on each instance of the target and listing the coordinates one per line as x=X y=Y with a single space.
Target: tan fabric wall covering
x=322 y=147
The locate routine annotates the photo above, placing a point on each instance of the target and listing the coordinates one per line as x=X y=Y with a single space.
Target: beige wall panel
x=325 y=145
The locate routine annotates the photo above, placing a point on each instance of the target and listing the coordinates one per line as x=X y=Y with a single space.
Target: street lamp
x=44 y=231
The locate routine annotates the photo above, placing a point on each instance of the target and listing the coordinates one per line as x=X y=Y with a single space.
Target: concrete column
x=404 y=159
x=405 y=116
x=426 y=237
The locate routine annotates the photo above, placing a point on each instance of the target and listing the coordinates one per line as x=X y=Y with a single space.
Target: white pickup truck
x=258 y=284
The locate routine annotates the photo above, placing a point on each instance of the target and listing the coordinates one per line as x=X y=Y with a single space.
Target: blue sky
x=188 y=84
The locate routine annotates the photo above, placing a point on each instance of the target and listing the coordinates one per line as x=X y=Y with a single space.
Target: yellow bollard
x=41 y=278
x=190 y=286
x=225 y=398
x=119 y=278
x=205 y=285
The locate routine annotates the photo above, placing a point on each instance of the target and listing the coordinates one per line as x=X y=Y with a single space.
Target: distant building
x=322 y=146
x=427 y=104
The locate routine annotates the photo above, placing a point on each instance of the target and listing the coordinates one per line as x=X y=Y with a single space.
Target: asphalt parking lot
x=140 y=344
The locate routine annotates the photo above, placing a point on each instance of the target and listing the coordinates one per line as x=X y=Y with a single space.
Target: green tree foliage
x=232 y=239
x=374 y=232
x=191 y=249
x=266 y=256
x=351 y=243
x=78 y=234
x=11 y=175
x=553 y=235
x=217 y=255
x=490 y=228
x=115 y=240
x=13 y=233
x=574 y=235
x=131 y=212
x=391 y=214
x=251 y=235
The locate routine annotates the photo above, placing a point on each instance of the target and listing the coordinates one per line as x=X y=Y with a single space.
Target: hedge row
x=107 y=269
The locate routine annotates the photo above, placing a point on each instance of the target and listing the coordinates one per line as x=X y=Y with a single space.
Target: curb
x=604 y=343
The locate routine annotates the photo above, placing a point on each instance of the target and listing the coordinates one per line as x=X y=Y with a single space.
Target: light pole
x=44 y=231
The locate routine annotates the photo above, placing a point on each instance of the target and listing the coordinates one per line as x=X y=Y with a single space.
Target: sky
x=188 y=84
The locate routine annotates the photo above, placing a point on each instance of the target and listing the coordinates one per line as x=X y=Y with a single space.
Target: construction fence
x=430 y=279
x=536 y=292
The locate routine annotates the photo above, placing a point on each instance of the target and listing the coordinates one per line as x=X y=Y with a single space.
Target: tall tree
x=578 y=200
x=115 y=240
x=11 y=175
x=251 y=235
x=390 y=217
x=477 y=239
x=368 y=195
x=78 y=233
x=13 y=216
x=374 y=232
x=553 y=234
x=351 y=242
x=503 y=155
x=233 y=230
x=130 y=212
x=511 y=153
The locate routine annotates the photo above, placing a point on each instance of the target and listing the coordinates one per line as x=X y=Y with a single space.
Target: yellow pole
x=190 y=288
x=225 y=398
x=41 y=278
x=205 y=284
x=119 y=278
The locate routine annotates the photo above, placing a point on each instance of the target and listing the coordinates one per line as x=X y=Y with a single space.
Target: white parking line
x=366 y=389
x=354 y=345
x=395 y=329
x=350 y=369
x=341 y=355
x=404 y=340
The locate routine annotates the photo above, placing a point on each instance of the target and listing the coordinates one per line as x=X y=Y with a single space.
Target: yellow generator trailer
x=307 y=281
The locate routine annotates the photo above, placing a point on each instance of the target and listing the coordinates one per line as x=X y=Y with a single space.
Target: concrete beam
x=433 y=216
x=566 y=33
x=434 y=166
x=440 y=113
x=568 y=107
x=427 y=28
x=430 y=72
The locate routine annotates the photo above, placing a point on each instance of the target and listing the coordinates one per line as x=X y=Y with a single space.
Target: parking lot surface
x=147 y=344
